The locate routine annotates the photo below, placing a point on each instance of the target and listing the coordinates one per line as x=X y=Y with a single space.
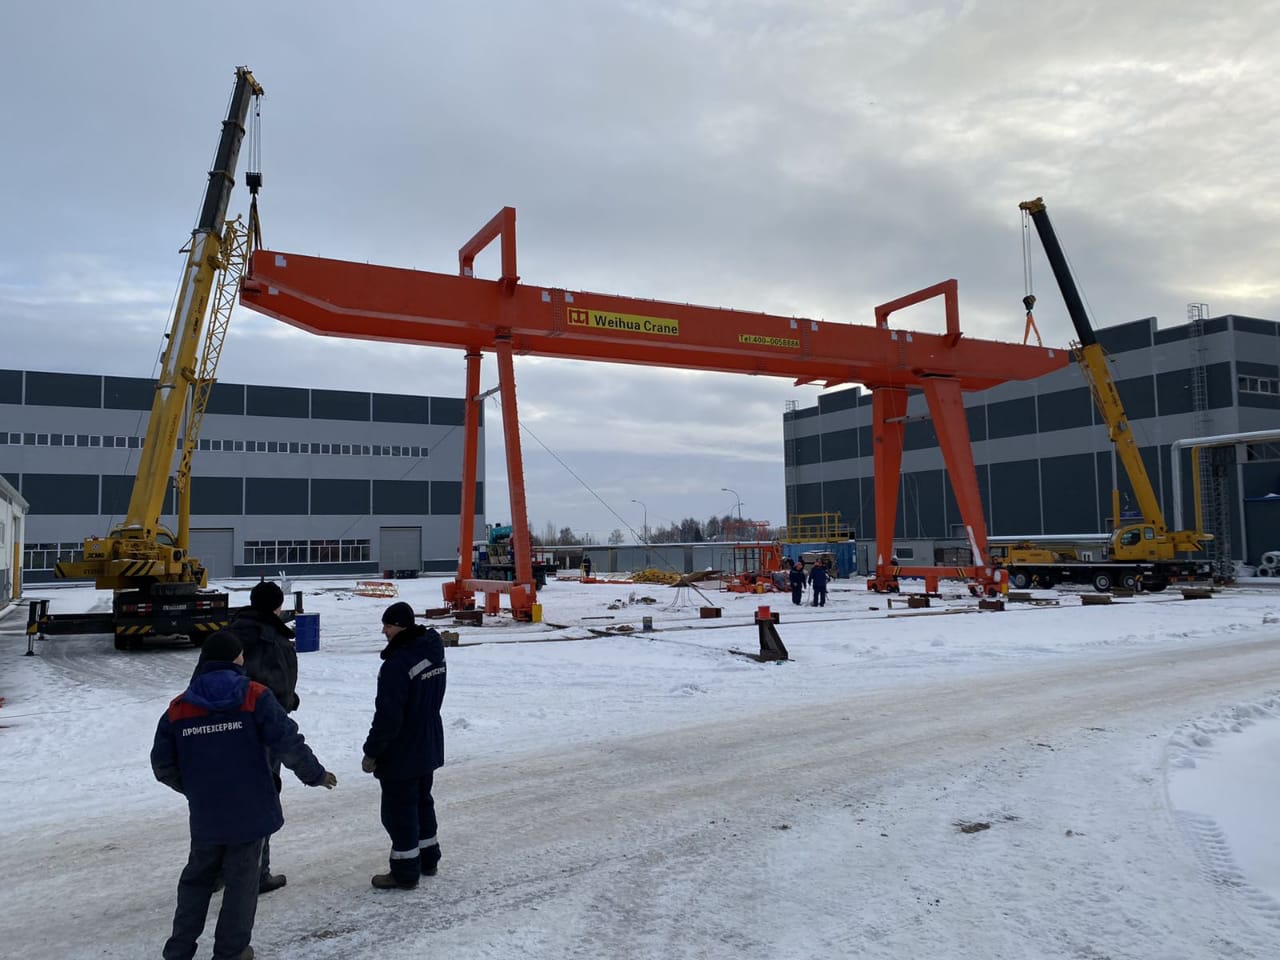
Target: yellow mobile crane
x=1144 y=554
x=158 y=585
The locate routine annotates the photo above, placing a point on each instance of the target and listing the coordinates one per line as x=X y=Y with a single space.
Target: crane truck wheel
x=1154 y=586
x=1129 y=581
x=1102 y=582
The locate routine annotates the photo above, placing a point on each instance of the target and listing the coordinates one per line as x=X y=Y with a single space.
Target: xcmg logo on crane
x=625 y=322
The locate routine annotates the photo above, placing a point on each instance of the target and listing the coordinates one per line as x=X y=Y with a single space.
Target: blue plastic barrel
x=306 y=630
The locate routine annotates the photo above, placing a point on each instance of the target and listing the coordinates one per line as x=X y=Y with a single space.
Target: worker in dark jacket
x=405 y=745
x=271 y=659
x=818 y=577
x=211 y=746
x=796 y=579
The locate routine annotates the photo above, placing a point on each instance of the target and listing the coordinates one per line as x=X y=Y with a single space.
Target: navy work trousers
x=409 y=814
x=238 y=864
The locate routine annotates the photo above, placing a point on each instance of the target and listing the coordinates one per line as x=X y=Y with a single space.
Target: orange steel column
x=515 y=479
x=888 y=410
x=946 y=407
x=470 y=466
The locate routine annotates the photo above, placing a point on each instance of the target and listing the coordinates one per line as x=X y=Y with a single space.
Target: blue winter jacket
x=407 y=734
x=212 y=745
x=819 y=576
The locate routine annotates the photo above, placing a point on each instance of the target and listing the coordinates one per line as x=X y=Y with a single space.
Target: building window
x=272 y=552
x=1265 y=385
x=43 y=556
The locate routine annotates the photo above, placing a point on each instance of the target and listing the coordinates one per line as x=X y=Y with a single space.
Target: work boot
x=387 y=881
x=271 y=881
x=430 y=859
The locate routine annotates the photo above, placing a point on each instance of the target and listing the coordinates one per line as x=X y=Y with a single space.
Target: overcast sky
x=803 y=158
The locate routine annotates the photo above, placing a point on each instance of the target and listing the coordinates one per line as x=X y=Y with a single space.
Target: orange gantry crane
x=341 y=298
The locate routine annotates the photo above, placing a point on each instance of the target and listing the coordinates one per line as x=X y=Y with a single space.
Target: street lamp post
x=736 y=497
x=644 y=534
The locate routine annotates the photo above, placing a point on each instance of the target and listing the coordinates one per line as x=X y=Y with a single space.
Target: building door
x=216 y=550
x=400 y=548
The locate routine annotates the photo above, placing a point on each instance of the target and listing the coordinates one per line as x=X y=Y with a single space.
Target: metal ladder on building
x=1214 y=463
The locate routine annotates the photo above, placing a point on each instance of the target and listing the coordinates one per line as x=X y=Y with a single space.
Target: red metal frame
x=356 y=300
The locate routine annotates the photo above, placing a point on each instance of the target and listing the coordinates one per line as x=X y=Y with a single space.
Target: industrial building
x=13 y=513
x=1046 y=465
x=306 y=481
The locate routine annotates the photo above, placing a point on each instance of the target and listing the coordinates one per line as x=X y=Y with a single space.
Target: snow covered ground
x=1047 y=782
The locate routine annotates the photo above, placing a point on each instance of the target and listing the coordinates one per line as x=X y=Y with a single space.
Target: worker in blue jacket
x=212 y=745
x=818 y=577
x=796 y=579
x=405 y=745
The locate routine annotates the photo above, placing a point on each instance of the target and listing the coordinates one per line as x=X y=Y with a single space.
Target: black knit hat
x=222 y=646
x=266 y=597
x=398 y=615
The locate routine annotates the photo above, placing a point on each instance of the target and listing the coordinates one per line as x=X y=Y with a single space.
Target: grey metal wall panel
x=446 y=497
x=919 y=435
x=402 y=497
x=1173 y=392
x=128 y=393
x=340 y=497
x=808 y=449
x=284 y=496
x=226 y=398
x=10 y=386
x=842 y=496
x=389 y=408
x=1247 y=368
x=809 y=498
x=277 y=402
x=63 y=390
x=838 y=400
x=217 y=496
x=448 y=411
x=1068 y=487
x=1138 y=394
x=1268 y=328
x=840 y=445
x=60 y=493
x=1015 y=498
x=977 y=417
x=1064 y=409
x=922 y=504
x=339 y=405
x=1260 y=401
x=116 y=491
x=1122 y=337
x=1011 y=418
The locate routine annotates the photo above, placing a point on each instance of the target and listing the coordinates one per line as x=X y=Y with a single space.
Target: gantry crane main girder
x=345 y=299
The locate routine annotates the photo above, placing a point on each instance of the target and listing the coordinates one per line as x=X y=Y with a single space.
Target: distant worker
x=211 y=746
x=818 y=577
x=586 y=567
x=797 y=578
x=271 y=659
x=405 y=745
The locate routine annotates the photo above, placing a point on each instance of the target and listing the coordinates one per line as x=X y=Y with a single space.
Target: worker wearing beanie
x=271 y=659
x=405 y=745
x=211 y=746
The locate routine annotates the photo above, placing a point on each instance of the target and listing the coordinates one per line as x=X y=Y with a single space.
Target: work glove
x=328 y=781
x=368 y=764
